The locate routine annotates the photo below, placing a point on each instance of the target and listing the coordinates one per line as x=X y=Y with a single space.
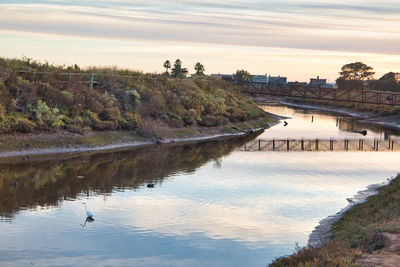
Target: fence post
x=302 y=144
x=287 y=144
x=91 y=78
x=259 y=144
x=69 y=76
x=316 y=144
x=273 y=144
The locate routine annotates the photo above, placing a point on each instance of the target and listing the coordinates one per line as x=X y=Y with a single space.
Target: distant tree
x=177 y=71
x=353 y=76
x=167 y=66
x=199 y=68
x=356 y=71
x=388 y=76
x=242 y=76
x=386 y=83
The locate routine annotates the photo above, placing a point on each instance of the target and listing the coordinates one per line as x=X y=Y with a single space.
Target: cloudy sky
x=294 y=38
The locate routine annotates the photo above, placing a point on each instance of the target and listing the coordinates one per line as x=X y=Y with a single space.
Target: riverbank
x=357 y=236
x=24 y=145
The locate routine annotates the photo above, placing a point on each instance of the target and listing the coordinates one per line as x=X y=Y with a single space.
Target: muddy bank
x=21 y=146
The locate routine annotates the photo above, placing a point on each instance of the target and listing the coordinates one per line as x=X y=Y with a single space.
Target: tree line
x=177 y=71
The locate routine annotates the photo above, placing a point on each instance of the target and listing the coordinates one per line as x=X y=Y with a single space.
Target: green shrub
x=16 y=123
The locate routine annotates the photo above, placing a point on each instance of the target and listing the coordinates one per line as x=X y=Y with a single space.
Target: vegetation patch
x=36 y=98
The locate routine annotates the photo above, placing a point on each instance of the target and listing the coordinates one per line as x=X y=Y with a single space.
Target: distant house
x=227 y=77
x=277 y=80
x=259 y=78
x=318 y=82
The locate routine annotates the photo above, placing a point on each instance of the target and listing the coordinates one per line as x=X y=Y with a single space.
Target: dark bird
x=150 y=185
x=24 y=158
x=285 y=123
x=13 y=184
x=363 y=132
x=28 y=145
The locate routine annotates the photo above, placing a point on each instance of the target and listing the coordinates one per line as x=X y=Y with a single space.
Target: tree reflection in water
x=49 y=182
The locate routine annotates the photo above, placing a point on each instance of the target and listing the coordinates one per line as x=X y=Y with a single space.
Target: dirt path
x=388 y=256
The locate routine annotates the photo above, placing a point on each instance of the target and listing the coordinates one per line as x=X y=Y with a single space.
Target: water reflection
x=306 y=123
x=87 y=220
x=45 y=184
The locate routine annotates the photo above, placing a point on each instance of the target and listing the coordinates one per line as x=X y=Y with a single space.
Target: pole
x=91 y=78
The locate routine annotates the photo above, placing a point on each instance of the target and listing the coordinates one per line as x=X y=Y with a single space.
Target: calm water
x=212 y=204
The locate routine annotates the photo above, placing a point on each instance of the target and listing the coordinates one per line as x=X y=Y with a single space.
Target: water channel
x=212 y=204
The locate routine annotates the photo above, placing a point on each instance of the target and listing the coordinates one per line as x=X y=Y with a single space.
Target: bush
x=16 y=123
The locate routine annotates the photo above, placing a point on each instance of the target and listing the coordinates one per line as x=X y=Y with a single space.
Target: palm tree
x=178 y=71
x=167 y=66
x=199 y=68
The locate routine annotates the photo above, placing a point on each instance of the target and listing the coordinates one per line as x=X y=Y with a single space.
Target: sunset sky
x=294 y=38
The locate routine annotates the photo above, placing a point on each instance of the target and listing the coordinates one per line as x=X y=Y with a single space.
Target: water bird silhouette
x=363 y=132
x=150 y=185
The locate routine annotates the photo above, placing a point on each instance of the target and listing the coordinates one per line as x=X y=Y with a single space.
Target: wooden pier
x=322 y=145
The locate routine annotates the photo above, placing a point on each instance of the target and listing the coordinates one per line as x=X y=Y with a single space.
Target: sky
x=298 y=39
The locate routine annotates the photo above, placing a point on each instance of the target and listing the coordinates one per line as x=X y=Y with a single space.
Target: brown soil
x=388 y=256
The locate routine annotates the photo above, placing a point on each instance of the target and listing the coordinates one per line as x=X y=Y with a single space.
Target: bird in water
x=88 y=213
x=150 y=185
